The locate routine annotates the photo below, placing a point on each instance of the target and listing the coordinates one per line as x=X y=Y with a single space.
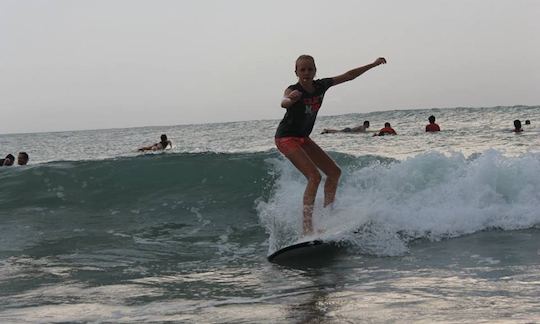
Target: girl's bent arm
x=354 y=73
x=286 y=102
x=290 y=97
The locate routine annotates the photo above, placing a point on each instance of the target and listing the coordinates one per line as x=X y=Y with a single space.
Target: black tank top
x=300 y=117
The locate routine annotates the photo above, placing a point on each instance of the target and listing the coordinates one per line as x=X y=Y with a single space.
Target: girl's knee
x=314 y=177
x=335 y=173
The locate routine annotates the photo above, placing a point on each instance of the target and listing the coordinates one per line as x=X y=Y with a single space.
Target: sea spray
x=386 y=204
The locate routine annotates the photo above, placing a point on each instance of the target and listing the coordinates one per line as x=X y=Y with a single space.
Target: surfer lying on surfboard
x=302 y=101
x=163 y=144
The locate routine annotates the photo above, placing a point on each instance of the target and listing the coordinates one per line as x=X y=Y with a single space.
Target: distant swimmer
x=8 y=160
x=432 y=126
x=302 y=102
x=517 y=126
x=358 y=129
x=163 y=144
x=387 y=130
x=527 y=122
x=22 y=158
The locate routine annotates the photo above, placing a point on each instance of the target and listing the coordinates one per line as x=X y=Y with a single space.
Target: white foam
x=431 y=195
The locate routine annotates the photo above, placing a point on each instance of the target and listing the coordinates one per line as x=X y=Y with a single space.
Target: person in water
x=22 y=158
x=358 y=129
x=158 y=146
x=517 y=126
x=387 y=130
x=8 y=160
x=303 y=101
x=432 y=126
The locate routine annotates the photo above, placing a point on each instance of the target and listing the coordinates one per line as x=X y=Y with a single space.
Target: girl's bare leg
x=304 y=164
x=324 y=162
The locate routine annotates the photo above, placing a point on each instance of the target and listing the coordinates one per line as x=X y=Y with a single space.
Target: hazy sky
x=86 y=64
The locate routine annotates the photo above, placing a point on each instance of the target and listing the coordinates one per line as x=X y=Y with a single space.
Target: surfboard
x=304 y=251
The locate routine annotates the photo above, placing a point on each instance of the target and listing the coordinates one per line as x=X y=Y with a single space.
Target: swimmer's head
x=387 y=124
x=9 y=160
x=431 y=119
x=517 y=124
x=366 y=123
x=22 y=158
x=164 y=138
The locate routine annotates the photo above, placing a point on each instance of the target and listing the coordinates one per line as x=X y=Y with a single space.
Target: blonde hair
x=304 y=57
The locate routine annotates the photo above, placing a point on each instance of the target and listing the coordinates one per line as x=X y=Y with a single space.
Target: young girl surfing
x=302 y=101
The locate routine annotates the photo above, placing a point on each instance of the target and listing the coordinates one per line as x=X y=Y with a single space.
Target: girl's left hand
x=379 y=61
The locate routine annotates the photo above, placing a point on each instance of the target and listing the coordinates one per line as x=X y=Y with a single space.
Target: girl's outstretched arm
x=354 y=73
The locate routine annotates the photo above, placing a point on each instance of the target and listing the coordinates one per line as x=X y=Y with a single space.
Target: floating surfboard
x=304 y=252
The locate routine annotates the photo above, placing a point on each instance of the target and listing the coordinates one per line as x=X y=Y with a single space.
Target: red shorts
x=287 y=145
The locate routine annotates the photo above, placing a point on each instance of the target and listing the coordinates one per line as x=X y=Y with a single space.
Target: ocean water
x=440 y=227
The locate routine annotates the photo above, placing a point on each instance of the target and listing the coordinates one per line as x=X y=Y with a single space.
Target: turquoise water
x=434 y=227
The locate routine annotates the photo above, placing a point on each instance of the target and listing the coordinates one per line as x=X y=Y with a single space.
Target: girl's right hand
x=295 y=95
